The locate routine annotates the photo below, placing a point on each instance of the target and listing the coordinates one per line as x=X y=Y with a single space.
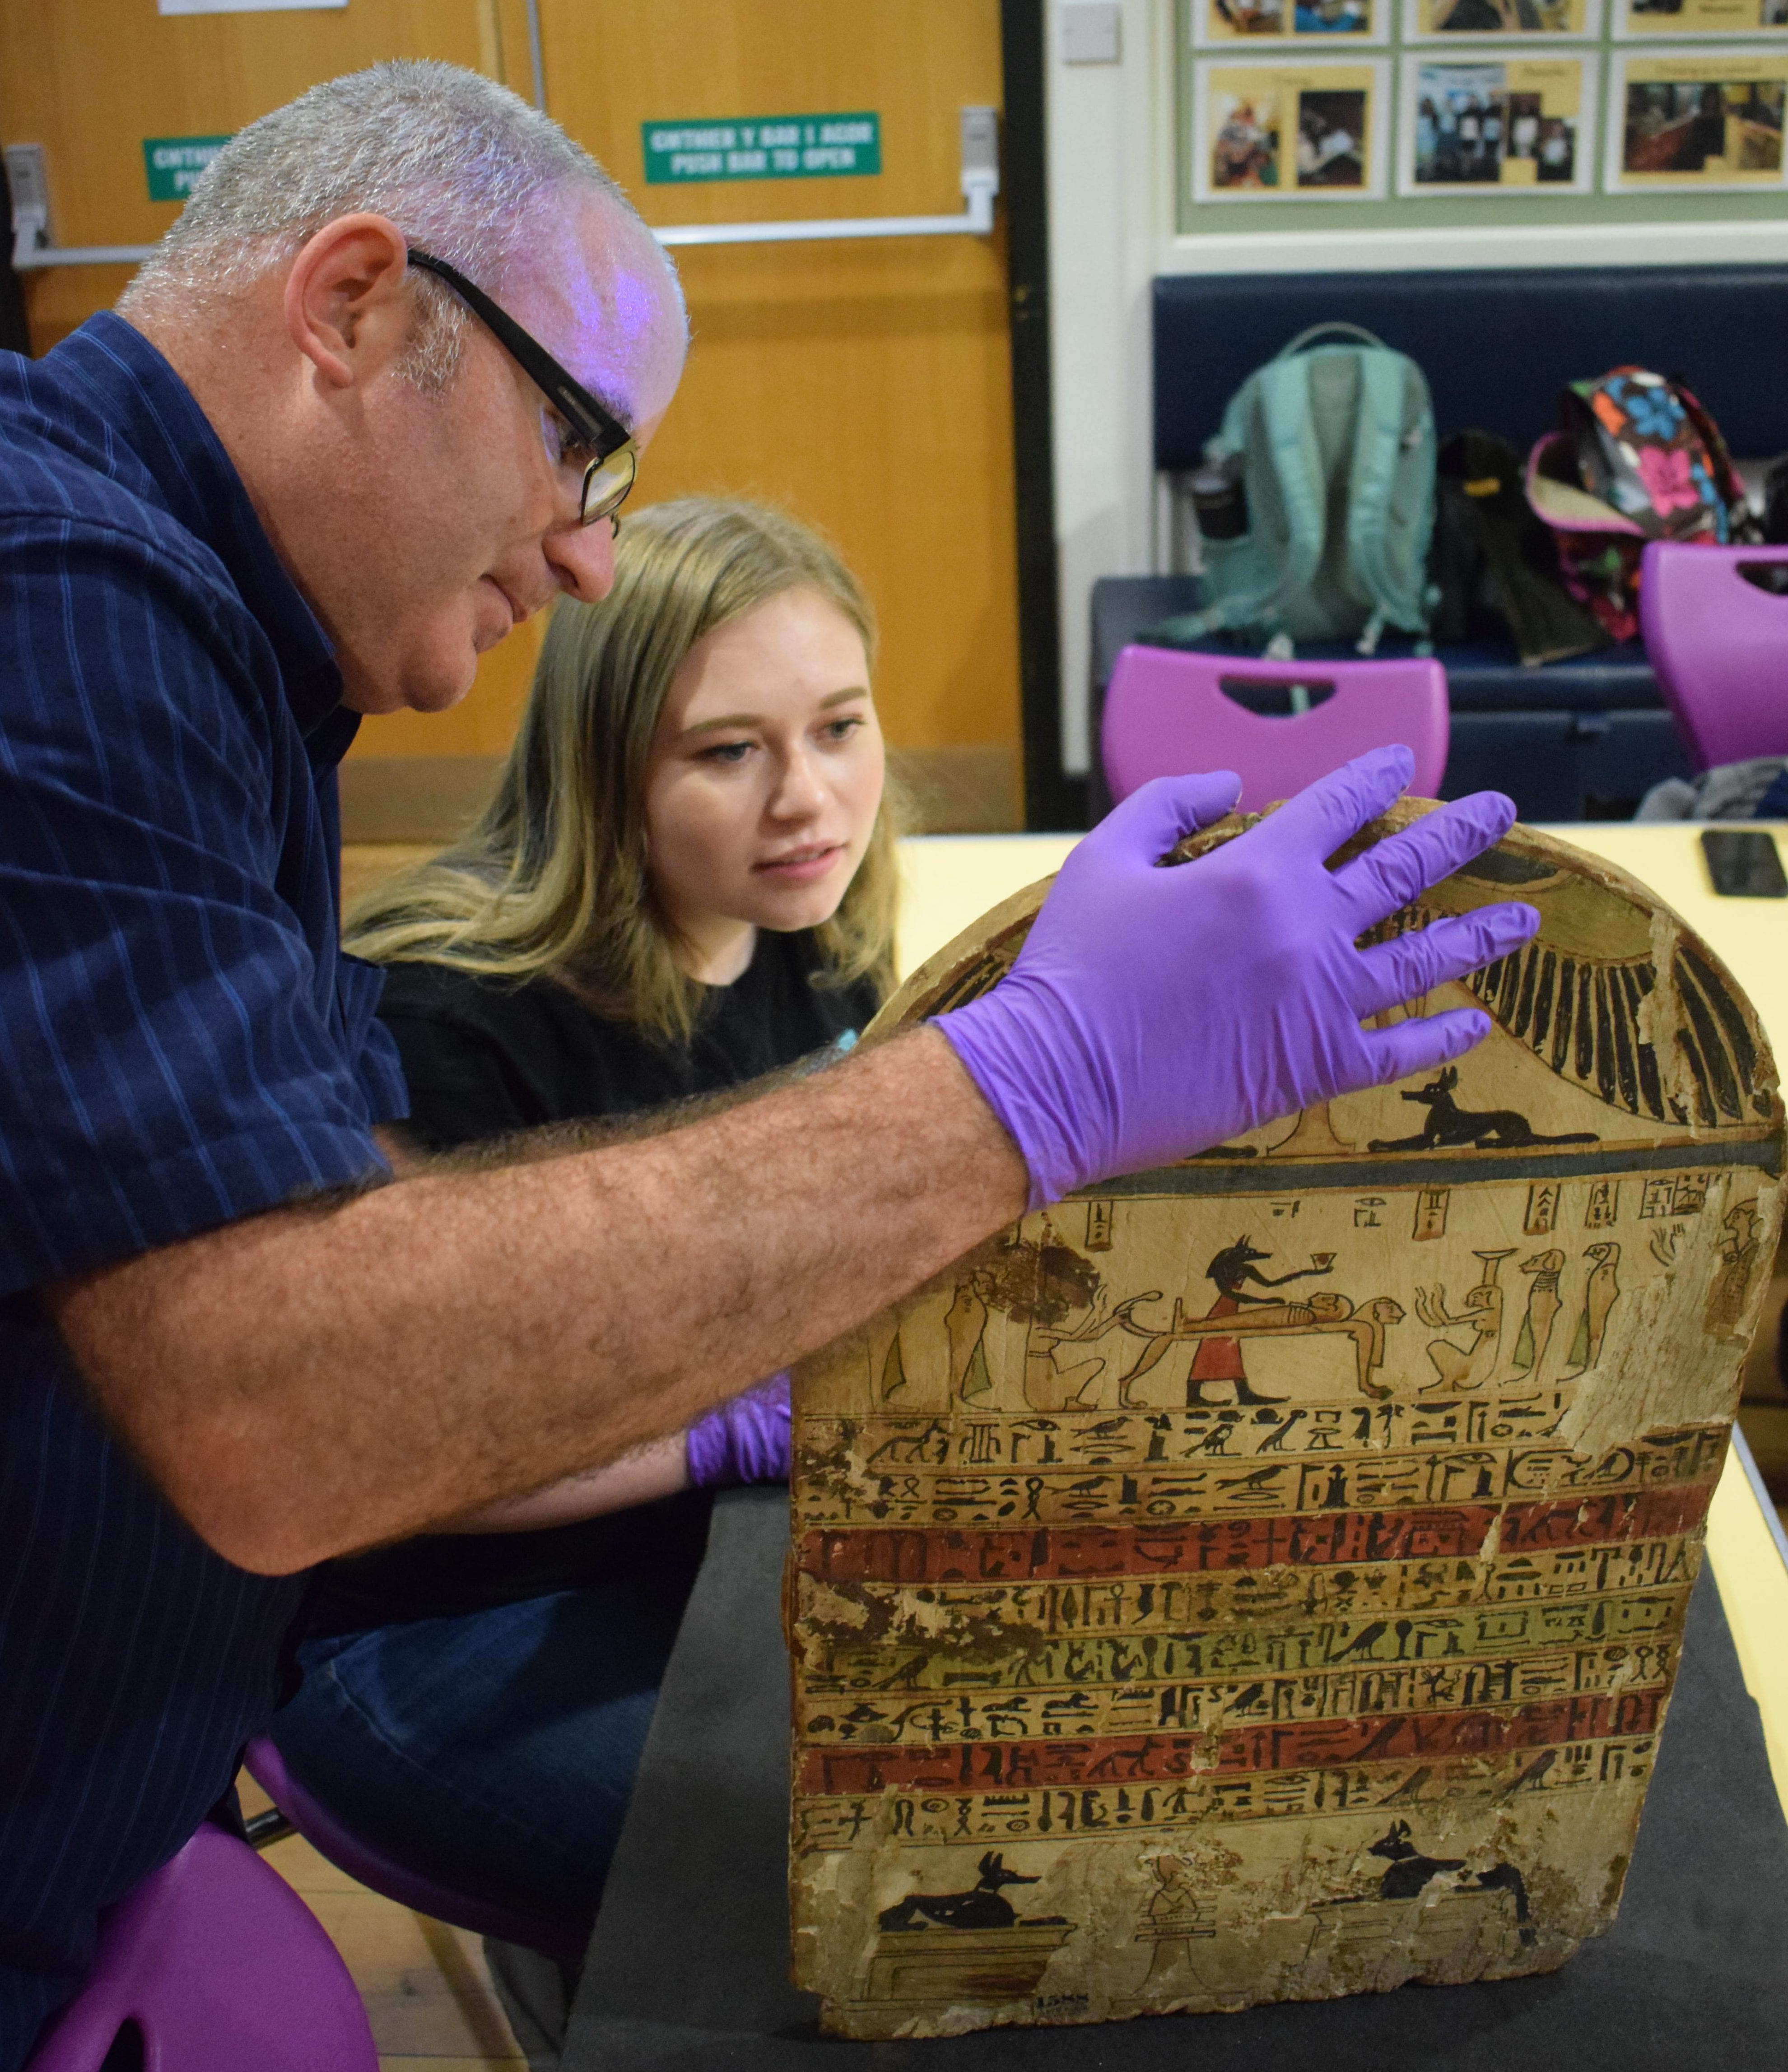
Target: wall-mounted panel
x=1311 y=25
x=1509 y=21
x=1272 y=124
x=1708 y=122
x=1497 y=121
x=1471 y=75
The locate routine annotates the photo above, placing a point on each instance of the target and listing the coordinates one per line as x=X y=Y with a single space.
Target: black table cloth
x=687 y=1971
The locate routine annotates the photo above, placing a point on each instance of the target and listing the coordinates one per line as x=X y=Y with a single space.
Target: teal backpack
x=1324 y=468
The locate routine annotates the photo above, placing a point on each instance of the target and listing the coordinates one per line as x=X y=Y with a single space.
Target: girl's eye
x=728 y=752
x=842 y=729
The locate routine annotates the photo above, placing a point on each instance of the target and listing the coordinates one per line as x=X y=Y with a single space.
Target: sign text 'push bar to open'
x=761 y=147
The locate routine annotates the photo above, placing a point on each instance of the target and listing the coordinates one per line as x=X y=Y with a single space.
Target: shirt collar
x=147 y=408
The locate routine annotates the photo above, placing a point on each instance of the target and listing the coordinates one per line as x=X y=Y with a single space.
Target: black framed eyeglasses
x=608 y=476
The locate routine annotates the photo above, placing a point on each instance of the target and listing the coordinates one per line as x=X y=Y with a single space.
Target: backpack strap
x=1378 y=437
x=1297 y=469
x=1358 y=332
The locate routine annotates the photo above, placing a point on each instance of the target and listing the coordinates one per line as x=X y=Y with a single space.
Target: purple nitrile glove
x=745 y=1441
x=1152 y=1013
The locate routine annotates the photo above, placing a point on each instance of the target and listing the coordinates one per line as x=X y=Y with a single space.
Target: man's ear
x=347 y=300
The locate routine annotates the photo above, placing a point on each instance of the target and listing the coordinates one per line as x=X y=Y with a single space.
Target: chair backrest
x=221 y=1966
x=565 y=1940
x=1167 y=712
x=1718 y=645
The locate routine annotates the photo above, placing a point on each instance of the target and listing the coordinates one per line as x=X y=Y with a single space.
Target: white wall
x=1113 y=164
x=1110 y=135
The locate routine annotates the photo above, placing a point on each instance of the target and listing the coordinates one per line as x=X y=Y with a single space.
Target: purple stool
x=222 y=1967
x=1718 y=646
x=1166 y=713
x=566 y=1941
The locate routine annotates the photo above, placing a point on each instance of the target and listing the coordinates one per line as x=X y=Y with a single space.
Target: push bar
x=32 y=249
x=980 y=175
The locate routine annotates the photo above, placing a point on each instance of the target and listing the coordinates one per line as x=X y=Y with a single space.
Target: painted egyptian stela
x=1263 y=1578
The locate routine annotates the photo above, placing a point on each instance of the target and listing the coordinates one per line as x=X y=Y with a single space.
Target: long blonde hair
x=551 y=879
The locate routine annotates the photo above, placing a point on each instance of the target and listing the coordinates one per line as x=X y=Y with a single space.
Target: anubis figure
x=1410 y=1871
x=1449 y=1126
x=984 y=1906
x=1219 y=1359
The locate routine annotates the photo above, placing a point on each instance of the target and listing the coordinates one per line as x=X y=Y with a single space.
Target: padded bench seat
x=1578 y=740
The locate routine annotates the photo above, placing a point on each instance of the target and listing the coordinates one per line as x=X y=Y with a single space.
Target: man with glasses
x=585 y=439
x=367 y=408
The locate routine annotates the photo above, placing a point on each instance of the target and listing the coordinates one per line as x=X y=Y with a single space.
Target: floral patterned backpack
x=1637 y=458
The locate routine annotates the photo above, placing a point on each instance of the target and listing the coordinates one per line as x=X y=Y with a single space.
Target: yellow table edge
x=1753 y=1575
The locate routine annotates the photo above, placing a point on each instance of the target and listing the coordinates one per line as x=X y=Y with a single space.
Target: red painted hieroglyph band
x=881 y=1554
x=1137 y=1758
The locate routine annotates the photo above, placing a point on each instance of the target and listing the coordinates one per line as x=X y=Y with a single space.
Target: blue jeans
x=493 y=1750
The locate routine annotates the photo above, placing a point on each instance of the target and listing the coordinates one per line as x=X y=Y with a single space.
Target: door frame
x=1054 y=799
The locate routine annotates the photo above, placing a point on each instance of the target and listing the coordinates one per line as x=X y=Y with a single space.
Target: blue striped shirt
x=181 y=1044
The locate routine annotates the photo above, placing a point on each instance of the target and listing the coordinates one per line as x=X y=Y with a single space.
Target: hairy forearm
x=314 y=1380
x=597 y=1132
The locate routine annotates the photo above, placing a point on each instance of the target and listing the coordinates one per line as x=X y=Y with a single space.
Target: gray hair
x=453 y=160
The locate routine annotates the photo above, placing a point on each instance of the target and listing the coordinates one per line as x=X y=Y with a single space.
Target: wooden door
x=863 y=384
x=90 y=79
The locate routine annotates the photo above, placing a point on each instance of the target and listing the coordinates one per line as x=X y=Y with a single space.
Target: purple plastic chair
x=222 y=1967
x=1166 y=713
x=566 y=1940
x=1719 y=647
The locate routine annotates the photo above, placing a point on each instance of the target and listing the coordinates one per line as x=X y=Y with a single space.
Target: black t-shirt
x=486 y=1057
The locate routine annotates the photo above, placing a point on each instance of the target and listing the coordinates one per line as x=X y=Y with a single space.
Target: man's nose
x=581 y=558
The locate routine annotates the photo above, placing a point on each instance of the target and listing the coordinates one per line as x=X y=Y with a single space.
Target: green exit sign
x=762 y=147
x=174 y=163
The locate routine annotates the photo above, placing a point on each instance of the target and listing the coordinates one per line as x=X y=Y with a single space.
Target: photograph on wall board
x=1696 y=119
x=1487 y=123
x=1220 y=23
x=1648 y=19
x=1295 y=132
x=1431 y=21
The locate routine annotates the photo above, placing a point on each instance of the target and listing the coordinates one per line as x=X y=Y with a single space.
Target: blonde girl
x=685 y=880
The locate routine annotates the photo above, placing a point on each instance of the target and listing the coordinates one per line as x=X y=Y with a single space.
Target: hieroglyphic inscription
x=1354 y=1537
x=1113 y=1687
x=1582 y=1590
x=1306 y=1650
x=938 y=1473
x=944 y=1817
x=1266 y=1579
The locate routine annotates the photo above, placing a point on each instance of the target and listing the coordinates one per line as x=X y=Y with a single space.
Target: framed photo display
x=1222 y=24
x=1651 y=18
x=1707 y=120
x=1309 y=130
x=1496 y=122
x=1440 y=21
